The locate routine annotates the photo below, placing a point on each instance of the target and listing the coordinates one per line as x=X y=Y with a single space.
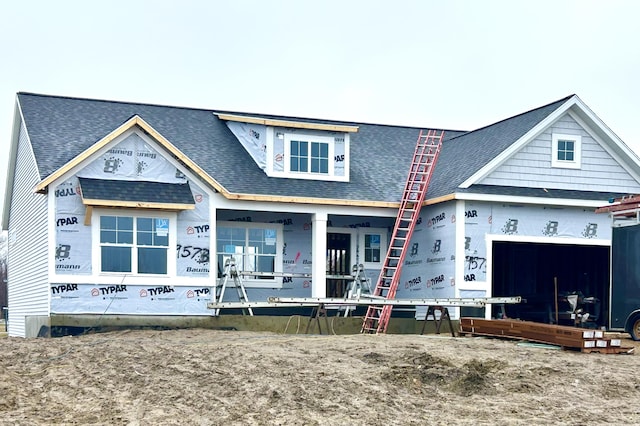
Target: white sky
x=450 y=64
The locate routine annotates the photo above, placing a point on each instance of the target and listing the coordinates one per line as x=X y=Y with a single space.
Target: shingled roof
x=60 y=128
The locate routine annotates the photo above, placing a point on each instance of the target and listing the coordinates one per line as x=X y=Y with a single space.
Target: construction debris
x=585 y=340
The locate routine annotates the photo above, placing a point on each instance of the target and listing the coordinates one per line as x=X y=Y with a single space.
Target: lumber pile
x=585 y=340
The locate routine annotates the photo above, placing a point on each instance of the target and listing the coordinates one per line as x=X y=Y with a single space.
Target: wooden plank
x=610 y=350
x=137 y=204
x=288 y=123
x=571 y=337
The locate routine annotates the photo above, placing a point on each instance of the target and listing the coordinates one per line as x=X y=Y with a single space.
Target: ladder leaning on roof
x=424 y=159
x=230 y=271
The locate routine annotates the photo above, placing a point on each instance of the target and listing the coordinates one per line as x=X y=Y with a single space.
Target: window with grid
x=372 y=247
x=136 y=245
x=309 y=157
x=566 y=151
x=254 y=248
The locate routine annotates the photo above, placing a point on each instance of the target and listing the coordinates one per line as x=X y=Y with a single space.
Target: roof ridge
x=225 y=111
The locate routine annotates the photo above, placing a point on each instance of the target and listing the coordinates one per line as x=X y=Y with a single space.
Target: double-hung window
x=566 y=151
x=253 y=247
x=136 y=245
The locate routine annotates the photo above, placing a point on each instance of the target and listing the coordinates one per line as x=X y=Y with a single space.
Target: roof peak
x=559 y=102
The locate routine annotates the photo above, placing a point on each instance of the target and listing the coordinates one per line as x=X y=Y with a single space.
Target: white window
x=137 y=244
x=566 y=151
x=306 y=155
x=373 y=246
x=254 y=247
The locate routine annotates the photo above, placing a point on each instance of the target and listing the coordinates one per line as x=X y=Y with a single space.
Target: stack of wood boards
x=585 y=340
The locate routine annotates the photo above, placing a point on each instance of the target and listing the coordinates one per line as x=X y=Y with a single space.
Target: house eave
x=514 y=199
x=288 y=123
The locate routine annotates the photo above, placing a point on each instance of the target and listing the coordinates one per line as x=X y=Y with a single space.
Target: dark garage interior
x=531 y=270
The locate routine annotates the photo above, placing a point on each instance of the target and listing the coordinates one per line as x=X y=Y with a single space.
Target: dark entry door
x=338 y=262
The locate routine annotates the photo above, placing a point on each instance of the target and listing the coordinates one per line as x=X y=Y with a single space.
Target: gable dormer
x=295 y=149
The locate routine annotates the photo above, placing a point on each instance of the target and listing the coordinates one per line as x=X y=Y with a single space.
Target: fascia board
x=146 y=127
x=136 y=204
x=519 y=144
x=606 y=130
x=18 y=119
x=568 y=202
x=287 y=123
x=585 y=113
x=80 y=158
x=615 y=148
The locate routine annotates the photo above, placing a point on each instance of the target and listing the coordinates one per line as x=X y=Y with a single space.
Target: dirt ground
x=208 y=377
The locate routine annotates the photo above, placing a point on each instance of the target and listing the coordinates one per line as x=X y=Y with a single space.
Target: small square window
x=566 y=151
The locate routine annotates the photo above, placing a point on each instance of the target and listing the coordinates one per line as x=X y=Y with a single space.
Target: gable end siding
x=28 y=284
x=531 y=166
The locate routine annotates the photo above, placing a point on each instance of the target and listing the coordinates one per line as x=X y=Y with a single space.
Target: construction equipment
x=279 y=302
x=437 y=319
x=361 y=285
x=424 y=159
x=230 y=271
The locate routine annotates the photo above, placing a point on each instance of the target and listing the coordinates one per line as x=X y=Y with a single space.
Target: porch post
x=319 y=254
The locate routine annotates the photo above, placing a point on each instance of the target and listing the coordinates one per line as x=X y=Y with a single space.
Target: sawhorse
x=444 y=314
x=316 y=313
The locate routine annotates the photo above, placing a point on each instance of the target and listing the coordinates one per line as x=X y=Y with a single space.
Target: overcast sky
x=450 y=64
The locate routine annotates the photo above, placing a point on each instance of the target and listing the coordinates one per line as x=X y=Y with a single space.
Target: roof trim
x=136 y=204
x=517 y=145
x=311 y=200
x=567 y=202
x=18 y=122
x=288 y=123
x=132 y=122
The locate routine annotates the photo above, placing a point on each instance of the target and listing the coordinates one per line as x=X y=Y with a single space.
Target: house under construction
x=118 y=211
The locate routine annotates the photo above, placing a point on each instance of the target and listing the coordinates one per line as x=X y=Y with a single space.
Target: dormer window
x=309 y=154
x=566 y=151
x=295 y=150
x=302 y=154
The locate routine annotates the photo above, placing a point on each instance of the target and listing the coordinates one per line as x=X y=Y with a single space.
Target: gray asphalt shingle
x=60 y=128
x=138 y=191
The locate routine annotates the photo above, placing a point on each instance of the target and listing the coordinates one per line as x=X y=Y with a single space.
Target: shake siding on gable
x=531 y=166
x=28 y=284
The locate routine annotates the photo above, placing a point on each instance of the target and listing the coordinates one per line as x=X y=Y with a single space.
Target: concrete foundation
x=37 y=326
x=294 y=324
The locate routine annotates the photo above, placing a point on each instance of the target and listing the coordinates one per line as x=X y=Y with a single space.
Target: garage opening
x=531 y=270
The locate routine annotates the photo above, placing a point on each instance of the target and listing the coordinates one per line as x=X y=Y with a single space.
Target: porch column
x=319 y=254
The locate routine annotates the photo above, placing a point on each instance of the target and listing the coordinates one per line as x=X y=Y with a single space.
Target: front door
x=338 y=263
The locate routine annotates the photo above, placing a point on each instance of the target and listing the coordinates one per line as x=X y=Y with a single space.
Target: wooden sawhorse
x=444 y=314
x=316 y=313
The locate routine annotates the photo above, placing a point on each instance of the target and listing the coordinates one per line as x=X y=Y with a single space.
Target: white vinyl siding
x=531 y=166
x=28 y=284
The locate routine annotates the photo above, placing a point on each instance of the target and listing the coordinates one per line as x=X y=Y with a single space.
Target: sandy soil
x=205 y=377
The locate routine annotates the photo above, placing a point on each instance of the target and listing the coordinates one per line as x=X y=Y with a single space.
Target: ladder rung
x=424 y=157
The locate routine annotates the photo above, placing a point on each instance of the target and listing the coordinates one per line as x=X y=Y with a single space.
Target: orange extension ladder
x=424 y=160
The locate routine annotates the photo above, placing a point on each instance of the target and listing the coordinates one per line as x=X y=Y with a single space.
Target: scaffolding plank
x=460 y=301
